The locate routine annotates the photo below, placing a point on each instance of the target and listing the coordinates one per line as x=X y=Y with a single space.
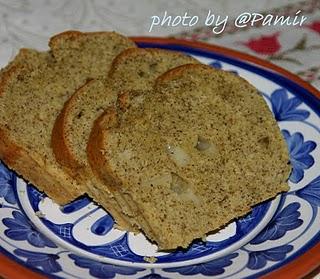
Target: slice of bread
x=134 y=69
x=199 y=151
x=32 y=93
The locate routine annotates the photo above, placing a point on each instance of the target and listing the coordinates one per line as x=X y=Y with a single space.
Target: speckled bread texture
x=133 y=69
x=137 y=69
x=199 y=151
x=32 y=93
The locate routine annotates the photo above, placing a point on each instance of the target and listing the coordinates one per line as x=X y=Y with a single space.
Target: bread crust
x=176 y=72
x=97 y=162
x=132 y=52
x=59 y=141
x=74 y=35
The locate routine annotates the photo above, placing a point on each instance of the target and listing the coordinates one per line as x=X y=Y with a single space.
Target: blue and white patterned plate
x=79 y=240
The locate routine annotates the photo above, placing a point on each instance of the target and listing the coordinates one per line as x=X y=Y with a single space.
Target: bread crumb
x=40 y=214
x=151 y=259
x=42 y=199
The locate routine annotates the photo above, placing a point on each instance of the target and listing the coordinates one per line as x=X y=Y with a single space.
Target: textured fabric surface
x=29 y=23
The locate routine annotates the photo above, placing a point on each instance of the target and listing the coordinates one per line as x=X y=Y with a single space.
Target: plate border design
x=309 y=256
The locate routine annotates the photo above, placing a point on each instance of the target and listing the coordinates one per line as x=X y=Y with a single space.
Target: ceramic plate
x=79 y=241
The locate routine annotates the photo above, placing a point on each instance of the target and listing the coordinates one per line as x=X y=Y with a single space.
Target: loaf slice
x=133 y=69
x=32 y=93
x=199 y=151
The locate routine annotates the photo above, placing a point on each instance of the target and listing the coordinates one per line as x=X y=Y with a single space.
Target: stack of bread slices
x=167 y=145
